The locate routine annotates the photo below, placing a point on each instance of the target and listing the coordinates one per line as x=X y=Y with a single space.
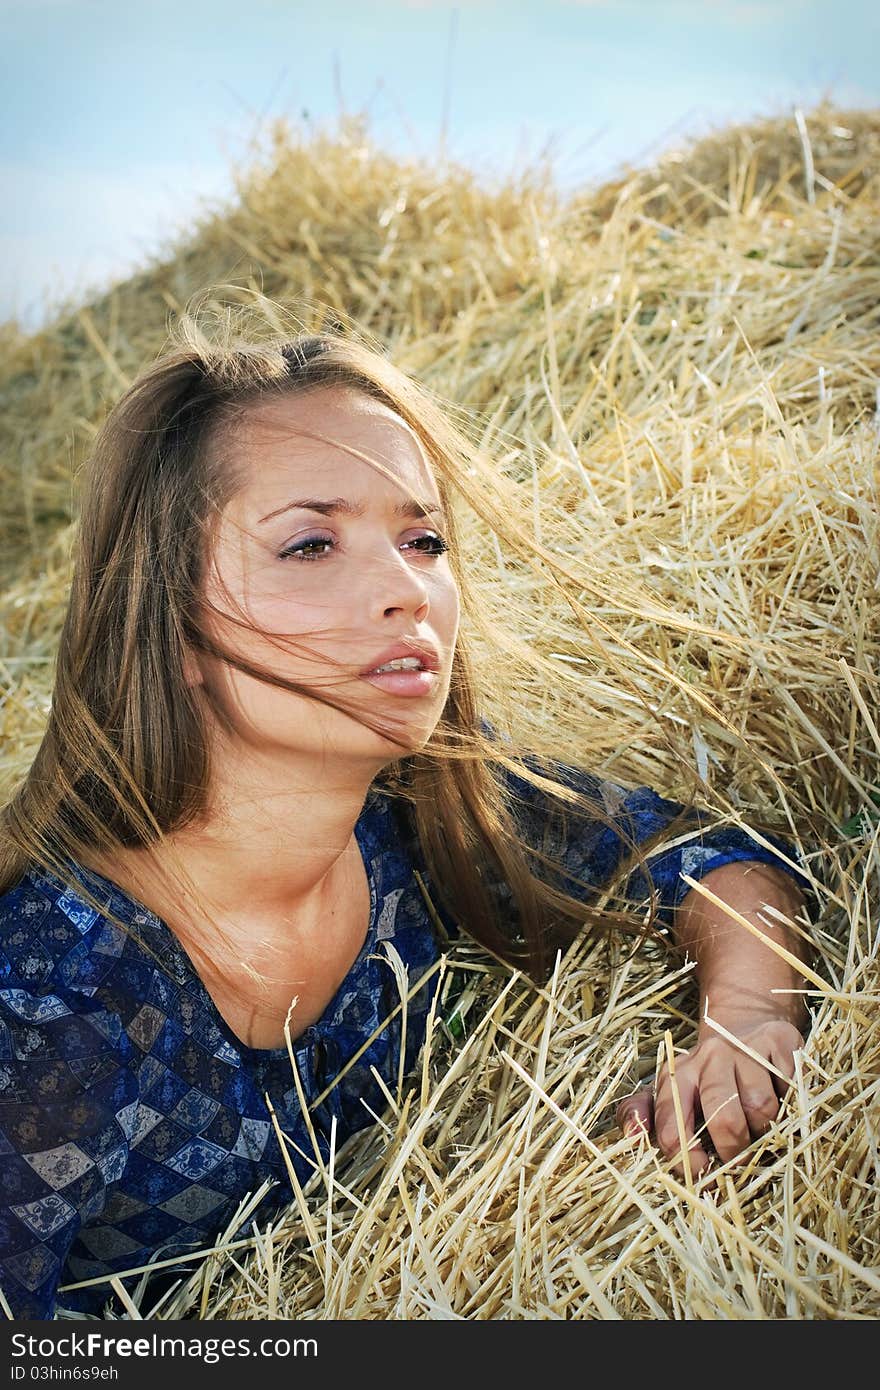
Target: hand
x=717 y=1083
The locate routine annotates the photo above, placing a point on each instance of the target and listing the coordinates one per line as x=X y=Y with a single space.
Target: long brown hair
x=125 y=756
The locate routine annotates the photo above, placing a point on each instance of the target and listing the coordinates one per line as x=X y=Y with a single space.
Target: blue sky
x=121 y=120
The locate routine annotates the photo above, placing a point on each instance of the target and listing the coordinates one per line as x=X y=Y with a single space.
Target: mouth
x=407 y=673
x=401 y=663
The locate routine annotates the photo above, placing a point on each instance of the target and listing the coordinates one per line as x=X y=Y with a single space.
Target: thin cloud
x=745 y=11
x=445 y=5
x=114 y=224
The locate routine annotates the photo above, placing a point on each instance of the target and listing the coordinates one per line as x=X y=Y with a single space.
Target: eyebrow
x=331 y=505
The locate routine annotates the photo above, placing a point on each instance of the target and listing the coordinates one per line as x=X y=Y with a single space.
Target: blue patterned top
x=133 y=1121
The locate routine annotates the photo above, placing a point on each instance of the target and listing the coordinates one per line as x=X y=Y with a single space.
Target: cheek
x=302 y=642
x=448 y=607
x=250 y=609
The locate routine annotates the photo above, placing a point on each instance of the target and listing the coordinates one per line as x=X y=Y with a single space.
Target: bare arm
x=739 y=975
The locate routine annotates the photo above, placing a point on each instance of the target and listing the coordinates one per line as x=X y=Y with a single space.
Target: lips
x=425 y=653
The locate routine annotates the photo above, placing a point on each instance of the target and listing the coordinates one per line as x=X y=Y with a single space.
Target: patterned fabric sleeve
x=590 y=852
x=67 y=1102
x=696 y=849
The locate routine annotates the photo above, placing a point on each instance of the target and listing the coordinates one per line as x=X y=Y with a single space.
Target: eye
x=309 y=548
x=429 y=544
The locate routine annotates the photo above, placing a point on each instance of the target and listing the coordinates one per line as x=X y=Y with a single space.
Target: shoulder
x=386 y=828
x=58 y=955
x=404 y=900
x=52 y=936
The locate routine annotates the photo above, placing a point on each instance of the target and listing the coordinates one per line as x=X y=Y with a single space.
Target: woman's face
x=336 y=567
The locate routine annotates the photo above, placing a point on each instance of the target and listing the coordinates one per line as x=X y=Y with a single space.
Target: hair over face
x=125 y=758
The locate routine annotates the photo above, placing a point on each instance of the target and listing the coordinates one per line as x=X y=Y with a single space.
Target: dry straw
x=679 y=372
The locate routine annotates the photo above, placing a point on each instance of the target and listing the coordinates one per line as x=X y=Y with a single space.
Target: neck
x=274 y=830
x=276 y=836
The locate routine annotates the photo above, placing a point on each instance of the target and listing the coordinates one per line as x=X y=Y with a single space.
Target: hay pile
x=679 y=371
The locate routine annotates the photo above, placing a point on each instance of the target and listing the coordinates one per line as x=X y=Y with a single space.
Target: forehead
x=328 y=435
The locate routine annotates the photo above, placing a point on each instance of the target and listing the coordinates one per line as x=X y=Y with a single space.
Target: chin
x=347 y=736
x=402 y=741
x=343 y=734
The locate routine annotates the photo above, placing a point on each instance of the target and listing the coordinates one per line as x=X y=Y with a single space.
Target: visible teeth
x=401 y=663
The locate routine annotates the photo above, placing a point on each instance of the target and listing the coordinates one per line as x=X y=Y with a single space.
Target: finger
x=666 y=1124
x=758 y=1098
x=635 y=1113
x=757 y=1094
x=783 y=1059
x=725 y=1119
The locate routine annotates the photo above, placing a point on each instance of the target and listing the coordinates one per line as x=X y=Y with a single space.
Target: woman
x=267 y=788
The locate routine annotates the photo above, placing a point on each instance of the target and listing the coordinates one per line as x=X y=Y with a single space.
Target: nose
x=396 y=586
